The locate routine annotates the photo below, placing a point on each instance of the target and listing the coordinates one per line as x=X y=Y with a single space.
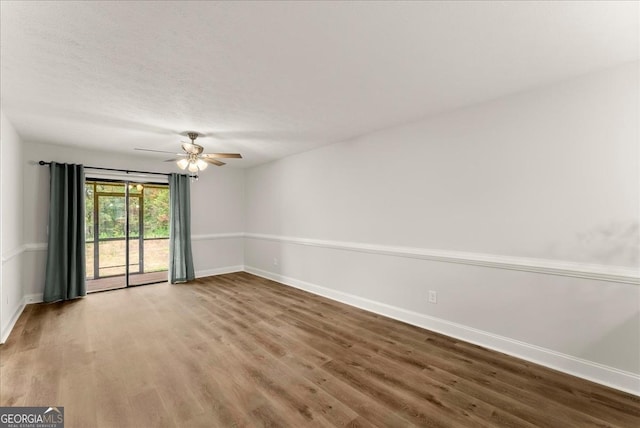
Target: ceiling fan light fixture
x=201 y=164
x=183 y=163
x=193 y=159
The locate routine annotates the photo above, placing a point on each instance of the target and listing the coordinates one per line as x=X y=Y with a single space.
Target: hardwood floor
x=239 y=350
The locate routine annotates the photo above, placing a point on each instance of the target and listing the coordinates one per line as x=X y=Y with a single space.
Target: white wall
x=217 y=221
x=11 y=226
x=522 y=213
x=514 y=211
x=216 y=205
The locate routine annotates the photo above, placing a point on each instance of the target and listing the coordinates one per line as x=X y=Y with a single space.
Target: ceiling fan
x=193 y=159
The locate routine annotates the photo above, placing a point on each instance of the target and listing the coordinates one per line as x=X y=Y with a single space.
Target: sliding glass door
x=127 y=233
x=148 y=233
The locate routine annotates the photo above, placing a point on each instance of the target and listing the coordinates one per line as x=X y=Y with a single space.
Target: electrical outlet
x=433 y=296
x=275 y=261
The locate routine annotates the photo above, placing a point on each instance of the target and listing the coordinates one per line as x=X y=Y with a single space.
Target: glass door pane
x=89 y=236
x=148 y=233
x=136 y=257
x=106 y=253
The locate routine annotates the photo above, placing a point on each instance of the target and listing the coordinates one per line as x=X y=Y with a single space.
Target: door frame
x=96 y=226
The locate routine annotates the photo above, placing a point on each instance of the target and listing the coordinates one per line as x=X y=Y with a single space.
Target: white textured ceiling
x=269 y=79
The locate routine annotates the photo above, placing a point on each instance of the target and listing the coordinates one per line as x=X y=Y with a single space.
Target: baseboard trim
x=26 y=300
x=12 y=322
x=219 y=271
x=33 y=298
x=627 y=275
x=589 y=370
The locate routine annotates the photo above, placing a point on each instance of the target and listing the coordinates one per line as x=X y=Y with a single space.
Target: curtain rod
x=128 y=171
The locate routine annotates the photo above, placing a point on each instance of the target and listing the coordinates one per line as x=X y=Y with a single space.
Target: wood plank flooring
x=239 y=350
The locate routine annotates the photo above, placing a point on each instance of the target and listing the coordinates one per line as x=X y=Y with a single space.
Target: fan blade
x=222 y=155
x=173 y=160
x=213 y=161
x=194 y=149
x=156 y=151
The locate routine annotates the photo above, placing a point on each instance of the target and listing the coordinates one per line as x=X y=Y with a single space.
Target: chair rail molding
x=621 y=274
x=13 y=253
x=36 y=246
x=42 y=246
x=211 y=236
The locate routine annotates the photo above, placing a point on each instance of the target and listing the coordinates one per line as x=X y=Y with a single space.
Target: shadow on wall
x=617 y=243
x=608 y=348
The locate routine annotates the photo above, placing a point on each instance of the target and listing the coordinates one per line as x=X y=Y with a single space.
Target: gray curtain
x=180 y=256
x=65 y=273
